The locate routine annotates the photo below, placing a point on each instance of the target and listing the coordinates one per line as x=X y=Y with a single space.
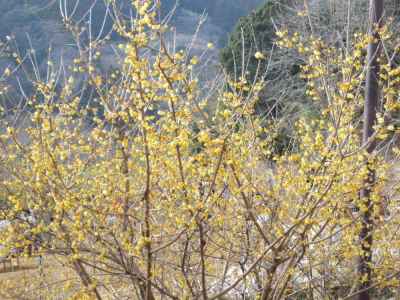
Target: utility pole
x=372 y=94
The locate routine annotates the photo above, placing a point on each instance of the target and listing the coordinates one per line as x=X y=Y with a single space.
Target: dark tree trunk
x=372 y=92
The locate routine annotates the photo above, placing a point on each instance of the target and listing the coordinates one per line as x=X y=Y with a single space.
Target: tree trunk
x=370 y=109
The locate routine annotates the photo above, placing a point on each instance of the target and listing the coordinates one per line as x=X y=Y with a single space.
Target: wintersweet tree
x=149 y=189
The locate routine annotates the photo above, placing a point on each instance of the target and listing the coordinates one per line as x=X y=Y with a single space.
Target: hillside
x=37 y=24
x=39 y=20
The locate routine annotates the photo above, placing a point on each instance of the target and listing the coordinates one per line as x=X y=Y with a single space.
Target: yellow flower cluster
x=167 y=191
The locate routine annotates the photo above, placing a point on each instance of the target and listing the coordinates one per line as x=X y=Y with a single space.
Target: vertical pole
x=372 y=91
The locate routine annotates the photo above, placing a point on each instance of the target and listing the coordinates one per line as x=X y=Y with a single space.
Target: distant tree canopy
x=256 y=32
x=253 y=33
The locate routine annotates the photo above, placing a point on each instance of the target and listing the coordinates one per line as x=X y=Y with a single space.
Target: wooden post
x=372 y=92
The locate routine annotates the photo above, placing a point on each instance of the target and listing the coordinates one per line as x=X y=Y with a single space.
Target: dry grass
x=51 y=280
x=32 y=279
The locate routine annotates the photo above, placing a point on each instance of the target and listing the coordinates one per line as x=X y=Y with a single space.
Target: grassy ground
x=32 y=279
x=51 y=280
